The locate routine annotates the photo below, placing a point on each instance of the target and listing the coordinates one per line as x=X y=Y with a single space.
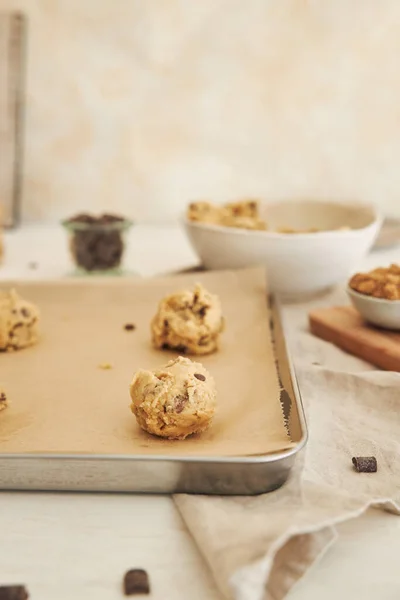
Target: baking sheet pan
x=65 y=408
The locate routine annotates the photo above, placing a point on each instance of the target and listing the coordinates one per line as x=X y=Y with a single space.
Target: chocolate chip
x=129 y=327
x=180 y=402
x=25 y=312
x=202 y=311
x=166 y=323
x=136 y=581
x=165 y=347
x=13 y=592
x=200 y=376
x=3 y=397
x=365 y=464
x=181 y=348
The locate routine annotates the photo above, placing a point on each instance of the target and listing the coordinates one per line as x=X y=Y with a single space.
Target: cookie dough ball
x=243 y=214
x=204 y=212
x=174 y=401
x=3 y=399
x=188 y=322
x=243 y=208
x=18 y=322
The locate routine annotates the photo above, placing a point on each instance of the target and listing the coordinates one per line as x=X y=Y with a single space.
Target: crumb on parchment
x=105 y=366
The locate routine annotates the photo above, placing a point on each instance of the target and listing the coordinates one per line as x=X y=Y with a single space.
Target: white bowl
x=380 y=312
x=297 y=264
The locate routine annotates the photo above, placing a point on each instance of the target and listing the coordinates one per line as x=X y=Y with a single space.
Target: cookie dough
x=243 y=214
x=204 y=212
x=174 y=401
x=18 y=322
x=3 y=399
x=188 y=322
x=382 y=282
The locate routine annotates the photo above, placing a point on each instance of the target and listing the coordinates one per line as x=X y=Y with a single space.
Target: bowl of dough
x=307 y=246
x=376 y=296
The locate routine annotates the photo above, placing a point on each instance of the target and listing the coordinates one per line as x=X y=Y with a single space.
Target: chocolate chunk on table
x=365 y=464
x=136 y=581
x=13 y=592
x=129 y=327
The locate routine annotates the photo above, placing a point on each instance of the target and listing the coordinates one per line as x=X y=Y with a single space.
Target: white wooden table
x=78 y=546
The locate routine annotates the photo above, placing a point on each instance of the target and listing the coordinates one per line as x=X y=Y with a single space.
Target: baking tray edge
x=157 y=474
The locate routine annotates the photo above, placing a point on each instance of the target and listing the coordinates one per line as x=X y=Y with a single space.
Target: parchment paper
x=62 y=402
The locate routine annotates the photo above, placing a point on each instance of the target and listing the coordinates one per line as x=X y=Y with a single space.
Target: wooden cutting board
x=344 y=327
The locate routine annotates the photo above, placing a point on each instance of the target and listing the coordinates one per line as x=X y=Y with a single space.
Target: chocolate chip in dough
x=25 y=312
x=180 y=403
x=365 y=464
x=200 y=376
x=13 y=592
x=129 y=327
x=136 y=581
x=3 y=397
x=181 y=348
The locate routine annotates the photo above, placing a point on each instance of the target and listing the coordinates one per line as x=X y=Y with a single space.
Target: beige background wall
x=139 y=106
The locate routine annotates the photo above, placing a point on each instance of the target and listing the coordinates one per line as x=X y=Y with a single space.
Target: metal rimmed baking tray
x=68 y=426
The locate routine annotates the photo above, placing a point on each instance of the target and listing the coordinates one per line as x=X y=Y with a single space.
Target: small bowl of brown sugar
x=376 y=296
x=97 y=243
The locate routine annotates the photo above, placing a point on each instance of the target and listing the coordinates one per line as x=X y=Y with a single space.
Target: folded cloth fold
x=258 y=547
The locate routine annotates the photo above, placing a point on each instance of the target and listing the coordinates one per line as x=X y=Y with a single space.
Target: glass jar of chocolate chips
x=97 y=244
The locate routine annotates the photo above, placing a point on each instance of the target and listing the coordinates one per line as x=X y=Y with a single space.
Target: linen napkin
x=258 y=547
